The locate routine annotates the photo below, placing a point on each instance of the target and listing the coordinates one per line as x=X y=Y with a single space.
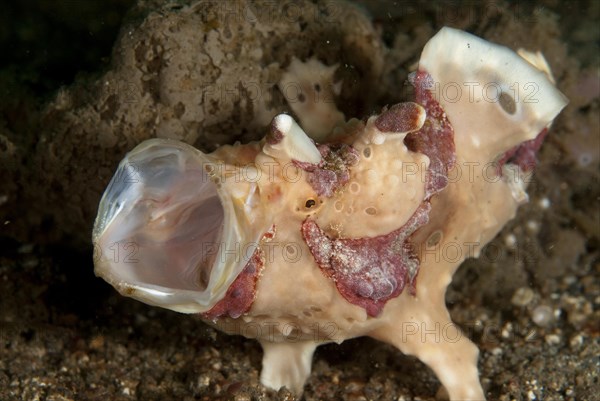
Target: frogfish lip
x=169 y=231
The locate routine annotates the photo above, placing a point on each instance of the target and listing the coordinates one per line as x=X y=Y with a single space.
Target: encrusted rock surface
x=205 y=73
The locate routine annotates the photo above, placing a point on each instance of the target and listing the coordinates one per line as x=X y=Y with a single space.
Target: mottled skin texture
x=353 y=285
x=333 y=173
x=436 y=138
x=343 y=281
x=465 y=214
x=240 y=295
x=524 y=155
x=367 y=271
x=369 y=212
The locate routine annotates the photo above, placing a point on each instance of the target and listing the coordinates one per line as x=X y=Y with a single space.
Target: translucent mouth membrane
x=160 y=227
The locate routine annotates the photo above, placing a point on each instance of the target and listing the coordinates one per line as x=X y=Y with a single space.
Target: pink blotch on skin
x=241 y=293
x=368 y=271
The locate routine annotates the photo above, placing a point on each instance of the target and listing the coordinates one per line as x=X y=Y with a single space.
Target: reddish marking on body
x=274 y=136
x=269 y=235
x=334 y=170
x=241 y=293
x=368 y=271
x=401 y=117
x=435 y=139
x=524 y=154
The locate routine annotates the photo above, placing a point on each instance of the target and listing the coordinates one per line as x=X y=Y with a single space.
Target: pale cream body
x=297 y=307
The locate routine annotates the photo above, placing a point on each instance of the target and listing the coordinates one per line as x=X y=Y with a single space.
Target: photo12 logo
x=508 y=96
